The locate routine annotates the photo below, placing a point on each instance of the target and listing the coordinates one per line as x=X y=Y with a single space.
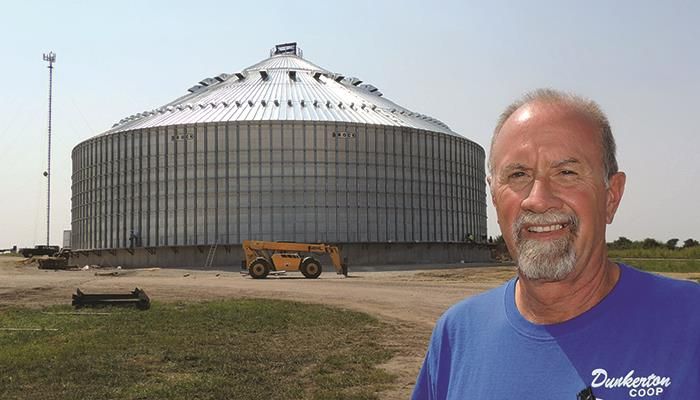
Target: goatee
x=550 y=260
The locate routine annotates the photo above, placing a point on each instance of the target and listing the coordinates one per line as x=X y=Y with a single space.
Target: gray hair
x=585 y=106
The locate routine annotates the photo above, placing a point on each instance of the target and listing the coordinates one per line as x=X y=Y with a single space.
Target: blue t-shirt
x=641 y=341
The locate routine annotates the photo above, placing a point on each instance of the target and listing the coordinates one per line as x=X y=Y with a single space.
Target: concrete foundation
x=230 y=257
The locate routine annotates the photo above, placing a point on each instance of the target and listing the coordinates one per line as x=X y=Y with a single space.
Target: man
x=572 y=324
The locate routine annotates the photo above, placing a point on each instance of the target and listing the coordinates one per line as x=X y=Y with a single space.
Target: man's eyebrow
x=515 y=167
x=561 y=163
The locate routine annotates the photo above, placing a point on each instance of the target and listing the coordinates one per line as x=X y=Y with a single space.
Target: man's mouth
x=545 y=228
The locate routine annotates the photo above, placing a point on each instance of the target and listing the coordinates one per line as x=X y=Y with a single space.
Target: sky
x=461 y=62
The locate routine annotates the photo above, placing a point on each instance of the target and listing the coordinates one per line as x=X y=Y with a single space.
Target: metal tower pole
x=51 y=58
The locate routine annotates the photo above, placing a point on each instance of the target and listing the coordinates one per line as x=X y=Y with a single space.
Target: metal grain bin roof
x=283 y=87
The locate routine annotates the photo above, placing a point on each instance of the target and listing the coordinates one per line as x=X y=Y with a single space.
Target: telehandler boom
x=261 y=257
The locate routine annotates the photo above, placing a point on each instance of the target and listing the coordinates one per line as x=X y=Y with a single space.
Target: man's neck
x=543 y=302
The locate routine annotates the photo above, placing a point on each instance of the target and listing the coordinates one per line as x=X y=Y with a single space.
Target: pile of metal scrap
x=53 y=263
x=137 y=298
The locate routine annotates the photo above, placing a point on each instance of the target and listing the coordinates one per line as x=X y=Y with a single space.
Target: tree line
x=623 y=243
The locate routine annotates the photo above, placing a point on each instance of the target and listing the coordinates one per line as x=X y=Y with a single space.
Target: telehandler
x=261 y=257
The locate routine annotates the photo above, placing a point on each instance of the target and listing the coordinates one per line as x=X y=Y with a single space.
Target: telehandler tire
x=311 y=269
x=259 y=269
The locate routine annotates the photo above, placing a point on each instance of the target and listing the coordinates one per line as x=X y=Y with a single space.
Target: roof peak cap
x=287 y=49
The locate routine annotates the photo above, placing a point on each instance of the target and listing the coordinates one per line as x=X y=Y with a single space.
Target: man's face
x=549 y=190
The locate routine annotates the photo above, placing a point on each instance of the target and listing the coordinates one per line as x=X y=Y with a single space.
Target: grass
x=243 y=349
x=660 y=259
x=661 y=265
x=657 y=252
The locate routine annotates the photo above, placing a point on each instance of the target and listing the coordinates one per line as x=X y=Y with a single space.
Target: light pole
x=51 y=58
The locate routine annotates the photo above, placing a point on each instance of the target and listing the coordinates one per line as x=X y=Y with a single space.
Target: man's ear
x=616 y=188
x=490 y=183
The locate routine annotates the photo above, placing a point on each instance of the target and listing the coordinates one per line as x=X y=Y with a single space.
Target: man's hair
x=586 y=107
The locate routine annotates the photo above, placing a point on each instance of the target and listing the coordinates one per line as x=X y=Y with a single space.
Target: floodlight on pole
x=51 y=59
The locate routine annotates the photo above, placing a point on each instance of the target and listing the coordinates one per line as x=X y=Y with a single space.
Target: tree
x=621 y=243
x=690 y=243
x=650 y=243
x=671 y=243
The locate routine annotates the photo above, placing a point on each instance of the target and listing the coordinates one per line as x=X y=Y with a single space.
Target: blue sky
x=461 y=62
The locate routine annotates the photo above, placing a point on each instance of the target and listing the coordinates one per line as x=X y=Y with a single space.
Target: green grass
x=659 y=259
x=245 y=349
x=660 y=265
x=657 y=252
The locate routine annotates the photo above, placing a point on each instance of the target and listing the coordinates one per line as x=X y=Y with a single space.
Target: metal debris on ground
x=137 y=298
x=117 y=272
x=113 y=273
x=53 y=263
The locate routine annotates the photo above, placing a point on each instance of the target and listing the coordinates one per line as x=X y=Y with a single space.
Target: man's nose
x=540 y=198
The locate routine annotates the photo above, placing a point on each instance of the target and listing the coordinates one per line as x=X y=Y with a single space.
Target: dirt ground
x=410 y=300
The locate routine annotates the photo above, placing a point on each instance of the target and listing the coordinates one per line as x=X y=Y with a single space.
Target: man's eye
x=568 y=172
x=517 y=175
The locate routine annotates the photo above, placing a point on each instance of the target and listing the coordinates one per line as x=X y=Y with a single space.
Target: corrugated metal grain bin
x=282 y=150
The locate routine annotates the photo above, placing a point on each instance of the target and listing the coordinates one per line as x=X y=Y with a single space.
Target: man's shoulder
x=662 y=291
x=483 y=305
x=662 y=286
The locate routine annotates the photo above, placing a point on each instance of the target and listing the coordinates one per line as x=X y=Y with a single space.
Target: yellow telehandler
x=261 y=257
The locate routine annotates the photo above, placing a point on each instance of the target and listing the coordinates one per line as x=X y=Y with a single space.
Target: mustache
x=546 y=218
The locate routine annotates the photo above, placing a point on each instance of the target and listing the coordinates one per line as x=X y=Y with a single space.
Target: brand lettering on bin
x=182 y=136
x=343 y=135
